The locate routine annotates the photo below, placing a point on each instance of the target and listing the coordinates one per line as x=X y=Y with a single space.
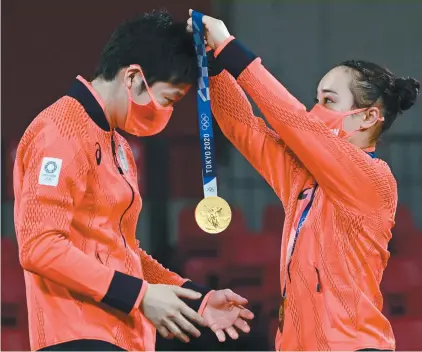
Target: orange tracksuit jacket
x=332 y=282
x=76 y=208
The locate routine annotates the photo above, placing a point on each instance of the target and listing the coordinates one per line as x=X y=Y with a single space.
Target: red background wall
x=47 y=43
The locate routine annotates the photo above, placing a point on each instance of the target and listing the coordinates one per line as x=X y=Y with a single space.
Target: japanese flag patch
x=50 y=172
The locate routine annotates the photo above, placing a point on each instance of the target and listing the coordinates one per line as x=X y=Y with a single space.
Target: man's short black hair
x=164 y=50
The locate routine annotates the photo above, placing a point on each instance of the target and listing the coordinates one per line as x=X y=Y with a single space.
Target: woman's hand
x=216 y=32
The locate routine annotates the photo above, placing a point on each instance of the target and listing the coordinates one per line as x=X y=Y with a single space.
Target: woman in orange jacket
x=89 y=285
x=339 y=198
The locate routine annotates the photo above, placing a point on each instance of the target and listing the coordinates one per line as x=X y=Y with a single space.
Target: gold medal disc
x=213 y=214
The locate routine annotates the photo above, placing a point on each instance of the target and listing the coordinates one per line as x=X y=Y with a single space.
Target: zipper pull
x=318 y=286
x=113 y=150
x=288 y=270
x=113 y=144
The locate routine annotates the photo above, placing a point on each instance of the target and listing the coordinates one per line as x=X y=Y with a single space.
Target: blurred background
x=47 y=43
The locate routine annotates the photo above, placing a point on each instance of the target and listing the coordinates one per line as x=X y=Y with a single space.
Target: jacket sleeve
x=155 y=273
x=50 y=180
x=348 y=175
x=261 y=146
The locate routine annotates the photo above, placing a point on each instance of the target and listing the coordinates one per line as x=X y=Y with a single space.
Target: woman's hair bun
x=407 y=90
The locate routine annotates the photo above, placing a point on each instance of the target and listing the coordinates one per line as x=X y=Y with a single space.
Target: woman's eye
x=325 y=100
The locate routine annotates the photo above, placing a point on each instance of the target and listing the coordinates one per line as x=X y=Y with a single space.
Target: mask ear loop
x=345 y=135
x=351 y=134
x=129 y=93
x=151 y=95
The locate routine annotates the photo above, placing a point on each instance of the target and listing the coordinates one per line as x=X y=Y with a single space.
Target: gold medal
x=213 y=214
x=281 y=313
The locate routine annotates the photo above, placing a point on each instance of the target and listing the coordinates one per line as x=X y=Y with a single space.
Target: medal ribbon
x=206 y=135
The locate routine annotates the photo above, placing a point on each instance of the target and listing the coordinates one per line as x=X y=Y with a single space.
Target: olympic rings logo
x=205 y=122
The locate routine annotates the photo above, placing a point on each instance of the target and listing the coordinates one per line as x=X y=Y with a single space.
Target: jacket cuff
x=214 y=69
x=141 y=296
x=195 y=304
x=124 y=292
x=234 y=58
x=223 y=45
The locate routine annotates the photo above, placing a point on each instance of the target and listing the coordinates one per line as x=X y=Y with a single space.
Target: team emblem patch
x=50 y=172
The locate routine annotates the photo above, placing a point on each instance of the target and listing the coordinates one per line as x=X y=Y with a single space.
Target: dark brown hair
x=163 y=48
x=375 y=85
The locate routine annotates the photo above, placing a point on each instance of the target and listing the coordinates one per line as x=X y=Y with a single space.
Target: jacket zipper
x=302 y=219
x=113 y=149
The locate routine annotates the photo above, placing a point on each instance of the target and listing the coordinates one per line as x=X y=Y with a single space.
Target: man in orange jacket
x=339 y=199
x=89 y=284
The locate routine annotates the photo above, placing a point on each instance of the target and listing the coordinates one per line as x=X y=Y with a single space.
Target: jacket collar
x=91 y=102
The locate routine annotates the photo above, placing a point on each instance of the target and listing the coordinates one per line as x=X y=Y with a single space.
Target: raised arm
x=348 y=175
x=260 y=145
